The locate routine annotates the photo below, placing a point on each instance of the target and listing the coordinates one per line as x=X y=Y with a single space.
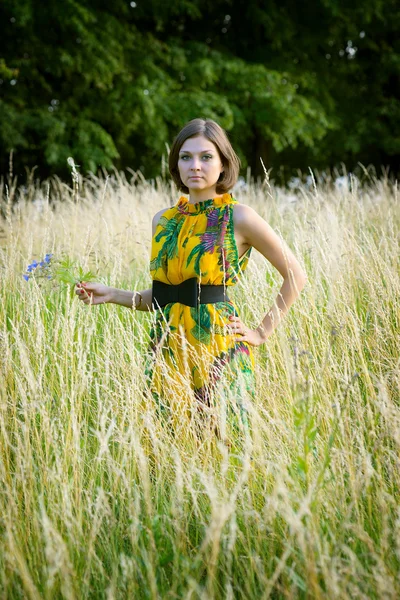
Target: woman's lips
x=195 y=177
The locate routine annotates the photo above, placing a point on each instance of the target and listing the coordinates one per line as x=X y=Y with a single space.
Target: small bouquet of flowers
x=43 y=268
x=64 y=271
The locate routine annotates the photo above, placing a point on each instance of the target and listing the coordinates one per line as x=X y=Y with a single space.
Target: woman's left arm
x=256 y=232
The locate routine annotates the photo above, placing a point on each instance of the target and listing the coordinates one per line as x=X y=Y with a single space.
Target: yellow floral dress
x=193 y=361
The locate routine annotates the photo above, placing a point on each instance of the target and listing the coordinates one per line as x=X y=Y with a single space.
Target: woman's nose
x=195 y=165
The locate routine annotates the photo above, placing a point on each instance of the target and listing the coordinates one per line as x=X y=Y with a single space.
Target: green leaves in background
x=112 y=84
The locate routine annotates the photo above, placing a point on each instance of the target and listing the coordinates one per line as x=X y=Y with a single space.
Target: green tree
x=110 y=84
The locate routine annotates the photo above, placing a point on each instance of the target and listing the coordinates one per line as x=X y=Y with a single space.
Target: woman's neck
x=202 y=195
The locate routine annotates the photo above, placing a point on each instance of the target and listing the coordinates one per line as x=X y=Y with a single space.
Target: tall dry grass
x=99 y=500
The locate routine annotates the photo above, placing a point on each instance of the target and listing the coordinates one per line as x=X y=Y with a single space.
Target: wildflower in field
x=63 y=271
x=35 y=268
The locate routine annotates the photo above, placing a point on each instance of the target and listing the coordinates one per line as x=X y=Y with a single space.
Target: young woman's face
x=199 y=164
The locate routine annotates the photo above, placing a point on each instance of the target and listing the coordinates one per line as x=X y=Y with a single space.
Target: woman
x=201 y=351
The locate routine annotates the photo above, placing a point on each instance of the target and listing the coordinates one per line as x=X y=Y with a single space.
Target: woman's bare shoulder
x=243 y=214
x=157 y=217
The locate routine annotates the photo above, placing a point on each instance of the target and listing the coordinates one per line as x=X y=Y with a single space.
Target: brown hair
x=213 y=132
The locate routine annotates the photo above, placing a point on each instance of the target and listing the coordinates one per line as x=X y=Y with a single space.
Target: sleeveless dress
x=192 y=360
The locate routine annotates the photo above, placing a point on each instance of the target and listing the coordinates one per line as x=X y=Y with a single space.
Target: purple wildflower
x=43 y=264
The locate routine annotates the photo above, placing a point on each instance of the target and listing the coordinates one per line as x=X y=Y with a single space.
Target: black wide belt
x=188 y=292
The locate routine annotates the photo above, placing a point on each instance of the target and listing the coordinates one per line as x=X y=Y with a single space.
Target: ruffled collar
x=184 y=206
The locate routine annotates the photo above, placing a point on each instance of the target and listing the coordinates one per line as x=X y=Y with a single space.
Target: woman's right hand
x=93 y=293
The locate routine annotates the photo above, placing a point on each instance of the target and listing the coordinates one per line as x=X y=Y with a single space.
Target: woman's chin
x=196 y=186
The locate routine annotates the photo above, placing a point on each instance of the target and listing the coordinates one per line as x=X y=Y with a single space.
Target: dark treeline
x=110 y=83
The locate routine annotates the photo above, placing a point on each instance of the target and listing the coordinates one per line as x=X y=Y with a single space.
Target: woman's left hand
x=253 y=337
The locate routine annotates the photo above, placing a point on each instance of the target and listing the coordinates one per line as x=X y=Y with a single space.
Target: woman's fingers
x=235 y=325
x=83 y=293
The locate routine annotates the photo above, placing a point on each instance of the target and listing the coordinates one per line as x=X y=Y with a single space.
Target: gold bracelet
x=134 y=300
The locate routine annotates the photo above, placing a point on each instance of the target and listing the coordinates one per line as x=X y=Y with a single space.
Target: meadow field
x=99 y=500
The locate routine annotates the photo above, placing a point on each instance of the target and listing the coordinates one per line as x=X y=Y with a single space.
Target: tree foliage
x=111 y=83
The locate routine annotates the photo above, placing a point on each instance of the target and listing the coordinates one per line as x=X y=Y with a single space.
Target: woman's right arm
x=97 y=293
x=125 y=298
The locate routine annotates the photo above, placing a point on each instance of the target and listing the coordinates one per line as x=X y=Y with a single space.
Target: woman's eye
x=208 y=156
